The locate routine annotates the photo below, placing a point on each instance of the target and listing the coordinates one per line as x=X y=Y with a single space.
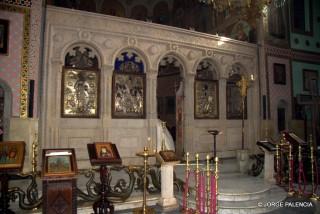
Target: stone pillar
x=106 y=98
x=269 y=166
x=187 y=141
x=167 y=200
x=151 y=110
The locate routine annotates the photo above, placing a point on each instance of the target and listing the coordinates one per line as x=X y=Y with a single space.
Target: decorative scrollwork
x=258 y=164
x=28 y=199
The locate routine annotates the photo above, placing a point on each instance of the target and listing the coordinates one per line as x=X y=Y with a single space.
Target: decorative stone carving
x=174 y=47
x=153 y=49
x=209 y=53
x=84 y=35
x=132 y=41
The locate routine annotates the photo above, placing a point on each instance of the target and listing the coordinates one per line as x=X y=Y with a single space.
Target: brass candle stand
x=300 y=193
x=290 y=158
x=34 y=154
x=208 y=183
x=197 y=184
x=313 y=196
x=216 y=160
x=278 y=178
x=163 y=146
x=144 y=209
x=187 y=193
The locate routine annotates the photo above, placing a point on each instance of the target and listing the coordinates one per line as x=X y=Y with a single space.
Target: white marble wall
x=110 y=35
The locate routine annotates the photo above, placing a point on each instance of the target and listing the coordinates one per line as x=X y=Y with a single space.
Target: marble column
x=167 y=200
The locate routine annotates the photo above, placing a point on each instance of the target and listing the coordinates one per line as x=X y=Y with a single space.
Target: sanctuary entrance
x=170 y=99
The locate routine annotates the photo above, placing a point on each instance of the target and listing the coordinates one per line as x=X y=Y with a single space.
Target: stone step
x=250 y=206
x=268 y=203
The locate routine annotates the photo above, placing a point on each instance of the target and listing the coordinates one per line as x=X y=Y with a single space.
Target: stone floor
x=287 y=207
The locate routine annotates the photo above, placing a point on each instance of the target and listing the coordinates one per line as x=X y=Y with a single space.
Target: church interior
x=163 y=106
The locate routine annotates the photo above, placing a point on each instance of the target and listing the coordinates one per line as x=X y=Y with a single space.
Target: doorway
x=169 y=98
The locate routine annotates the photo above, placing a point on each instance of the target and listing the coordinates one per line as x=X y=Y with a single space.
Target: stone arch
x=213 y=63
x=178 y=57
x=129 y=85
x=7 y=108
x=239 y=68
x=83 y=44
x=282 y=115
x=136 y=50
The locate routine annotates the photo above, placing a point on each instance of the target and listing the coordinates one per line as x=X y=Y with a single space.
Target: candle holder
x=163 y=146
x=214 y=133
x=290 y=158
x=144 y=209
x=313 y=196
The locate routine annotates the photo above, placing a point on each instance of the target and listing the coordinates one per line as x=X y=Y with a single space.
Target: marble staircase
x=242 y=193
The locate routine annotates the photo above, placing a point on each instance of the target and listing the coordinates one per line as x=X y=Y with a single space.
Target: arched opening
x=235 y=108
x=169 y=97
x=281 y=115
x=206 y=91
x=129 y=86
x=5 y=110
x=80 y=83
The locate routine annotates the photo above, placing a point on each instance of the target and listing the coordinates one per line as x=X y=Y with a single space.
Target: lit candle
x=251 y=77
x=149 y=143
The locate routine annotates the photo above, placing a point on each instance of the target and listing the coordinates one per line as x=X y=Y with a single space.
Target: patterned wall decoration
x=10 y=65
x=23 y=32
x=24 y=3
x=34 y=51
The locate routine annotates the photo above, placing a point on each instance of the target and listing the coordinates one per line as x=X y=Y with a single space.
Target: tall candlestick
x=208 y=183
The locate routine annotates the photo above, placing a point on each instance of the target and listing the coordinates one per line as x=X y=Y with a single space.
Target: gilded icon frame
x=80 y=93
x=128 y=94
x=12 y=155
x=59 y=162
x=206 y=99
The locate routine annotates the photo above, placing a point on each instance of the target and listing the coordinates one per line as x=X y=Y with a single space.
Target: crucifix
x=243 y=85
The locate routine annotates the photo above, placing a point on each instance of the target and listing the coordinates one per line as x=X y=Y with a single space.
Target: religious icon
x=4 y=36
x=206 y=102
x=11 y=155
x=104 y=150
x=128 y=93
x=80 y=93
x=59 y=162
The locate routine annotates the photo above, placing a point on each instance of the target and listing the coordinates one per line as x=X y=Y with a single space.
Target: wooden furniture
x=59 y=181
x=103 y=154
